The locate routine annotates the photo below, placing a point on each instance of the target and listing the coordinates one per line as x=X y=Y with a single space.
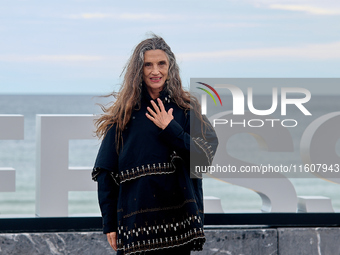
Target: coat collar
x=163 y=95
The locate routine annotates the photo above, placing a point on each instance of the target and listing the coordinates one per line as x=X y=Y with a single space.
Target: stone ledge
x=247 y=241
x=240 y=241
x=85 y=243
x=311 y=241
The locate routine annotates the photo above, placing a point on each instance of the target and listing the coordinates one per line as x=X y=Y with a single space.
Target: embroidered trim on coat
x=160 y=208
x=205 y=147
x=148 y=169
x=97 y=170
x=174 y=234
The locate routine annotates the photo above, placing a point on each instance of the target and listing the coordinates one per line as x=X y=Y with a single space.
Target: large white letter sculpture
x=277 y=192
x=54 y=176
x=11 y=128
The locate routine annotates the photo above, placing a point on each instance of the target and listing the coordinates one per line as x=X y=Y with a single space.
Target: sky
x=81 y=46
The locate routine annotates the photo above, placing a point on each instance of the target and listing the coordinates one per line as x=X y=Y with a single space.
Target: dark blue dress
x=146 y=194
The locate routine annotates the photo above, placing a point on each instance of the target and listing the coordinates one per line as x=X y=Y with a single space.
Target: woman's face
x=155 y=69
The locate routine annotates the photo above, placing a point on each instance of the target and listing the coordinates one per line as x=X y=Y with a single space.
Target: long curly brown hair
x=129 y=96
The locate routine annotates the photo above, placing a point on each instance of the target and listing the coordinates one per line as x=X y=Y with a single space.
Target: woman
x=148 y=201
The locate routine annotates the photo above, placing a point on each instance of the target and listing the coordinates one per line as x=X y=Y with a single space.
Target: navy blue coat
x=146 y=195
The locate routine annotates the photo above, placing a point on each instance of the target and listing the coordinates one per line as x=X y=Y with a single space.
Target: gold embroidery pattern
x=159 y=208
x=173 y=234
x=205 y=147
x=149 y=169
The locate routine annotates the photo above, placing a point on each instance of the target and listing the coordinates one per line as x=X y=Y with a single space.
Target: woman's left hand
x=161 y=117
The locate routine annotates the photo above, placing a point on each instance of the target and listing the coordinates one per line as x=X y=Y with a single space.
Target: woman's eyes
x=162 y=63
